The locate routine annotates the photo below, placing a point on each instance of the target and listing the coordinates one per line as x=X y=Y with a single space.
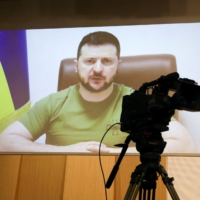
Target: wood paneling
x=84 y=180
x=9 y=172
x=41 y=177
x=61 y=177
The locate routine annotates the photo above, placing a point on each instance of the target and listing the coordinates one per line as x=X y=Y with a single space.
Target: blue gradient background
x=13 y=56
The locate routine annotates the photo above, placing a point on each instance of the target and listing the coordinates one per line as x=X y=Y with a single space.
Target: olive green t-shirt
x=67 y=118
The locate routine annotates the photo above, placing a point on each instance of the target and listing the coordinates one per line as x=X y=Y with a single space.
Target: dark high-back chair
x=133 y=71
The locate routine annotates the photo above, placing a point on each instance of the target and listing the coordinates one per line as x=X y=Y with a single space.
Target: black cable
x=100 y=158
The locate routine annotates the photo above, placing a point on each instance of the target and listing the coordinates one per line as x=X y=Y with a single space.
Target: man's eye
x=89 y=62
x=107 y=62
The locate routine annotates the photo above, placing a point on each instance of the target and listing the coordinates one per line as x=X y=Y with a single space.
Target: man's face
x=97 y=66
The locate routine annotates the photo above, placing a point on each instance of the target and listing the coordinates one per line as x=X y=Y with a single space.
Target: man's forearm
x=16 y=143
x=179 y=146
x=17 y=138
x=178 y=139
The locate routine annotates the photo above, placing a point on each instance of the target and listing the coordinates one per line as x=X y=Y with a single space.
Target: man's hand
x=84 y=147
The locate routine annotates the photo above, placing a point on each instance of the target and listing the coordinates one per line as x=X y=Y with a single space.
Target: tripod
x=143 y=179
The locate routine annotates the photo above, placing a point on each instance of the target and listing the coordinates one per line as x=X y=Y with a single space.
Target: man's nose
x=98 y=67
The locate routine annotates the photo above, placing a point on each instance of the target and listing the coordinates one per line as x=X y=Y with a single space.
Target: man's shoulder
x=57 y=97
x=63 y=93
x=123 y=89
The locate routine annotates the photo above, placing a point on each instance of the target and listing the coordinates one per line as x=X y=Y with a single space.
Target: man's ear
x=117 y=70
x=76 y=65
x=119 y=64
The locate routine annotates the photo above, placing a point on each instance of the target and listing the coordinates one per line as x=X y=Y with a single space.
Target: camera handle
x=116 y=167
x=143 y=179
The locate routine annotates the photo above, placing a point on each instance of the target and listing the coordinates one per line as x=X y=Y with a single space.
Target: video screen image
x=75 y=119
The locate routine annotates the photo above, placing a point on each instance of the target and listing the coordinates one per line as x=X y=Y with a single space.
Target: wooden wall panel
x=83 y=177
x=9 y=171
x=61 y=177
x=123 y=176
x=41 y=177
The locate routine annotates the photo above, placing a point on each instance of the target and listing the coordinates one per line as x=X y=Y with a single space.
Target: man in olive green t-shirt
x=67 y=118
x=75 y=119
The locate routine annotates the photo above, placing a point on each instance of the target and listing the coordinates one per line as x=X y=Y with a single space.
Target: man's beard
x=89 y=87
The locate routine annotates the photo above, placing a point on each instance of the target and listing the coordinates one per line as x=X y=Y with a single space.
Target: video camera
x=146 y=113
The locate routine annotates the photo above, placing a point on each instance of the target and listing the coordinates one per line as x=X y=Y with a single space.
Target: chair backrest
x=133 y=71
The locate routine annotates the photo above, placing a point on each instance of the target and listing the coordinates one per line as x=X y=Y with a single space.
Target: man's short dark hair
x=99 y=38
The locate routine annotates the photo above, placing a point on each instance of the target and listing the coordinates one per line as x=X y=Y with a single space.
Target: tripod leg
x=137 y=178
x=168 y=182
x=147 y=191
x=132 y=186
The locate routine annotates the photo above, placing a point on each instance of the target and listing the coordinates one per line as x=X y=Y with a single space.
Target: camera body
x=146 y=114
